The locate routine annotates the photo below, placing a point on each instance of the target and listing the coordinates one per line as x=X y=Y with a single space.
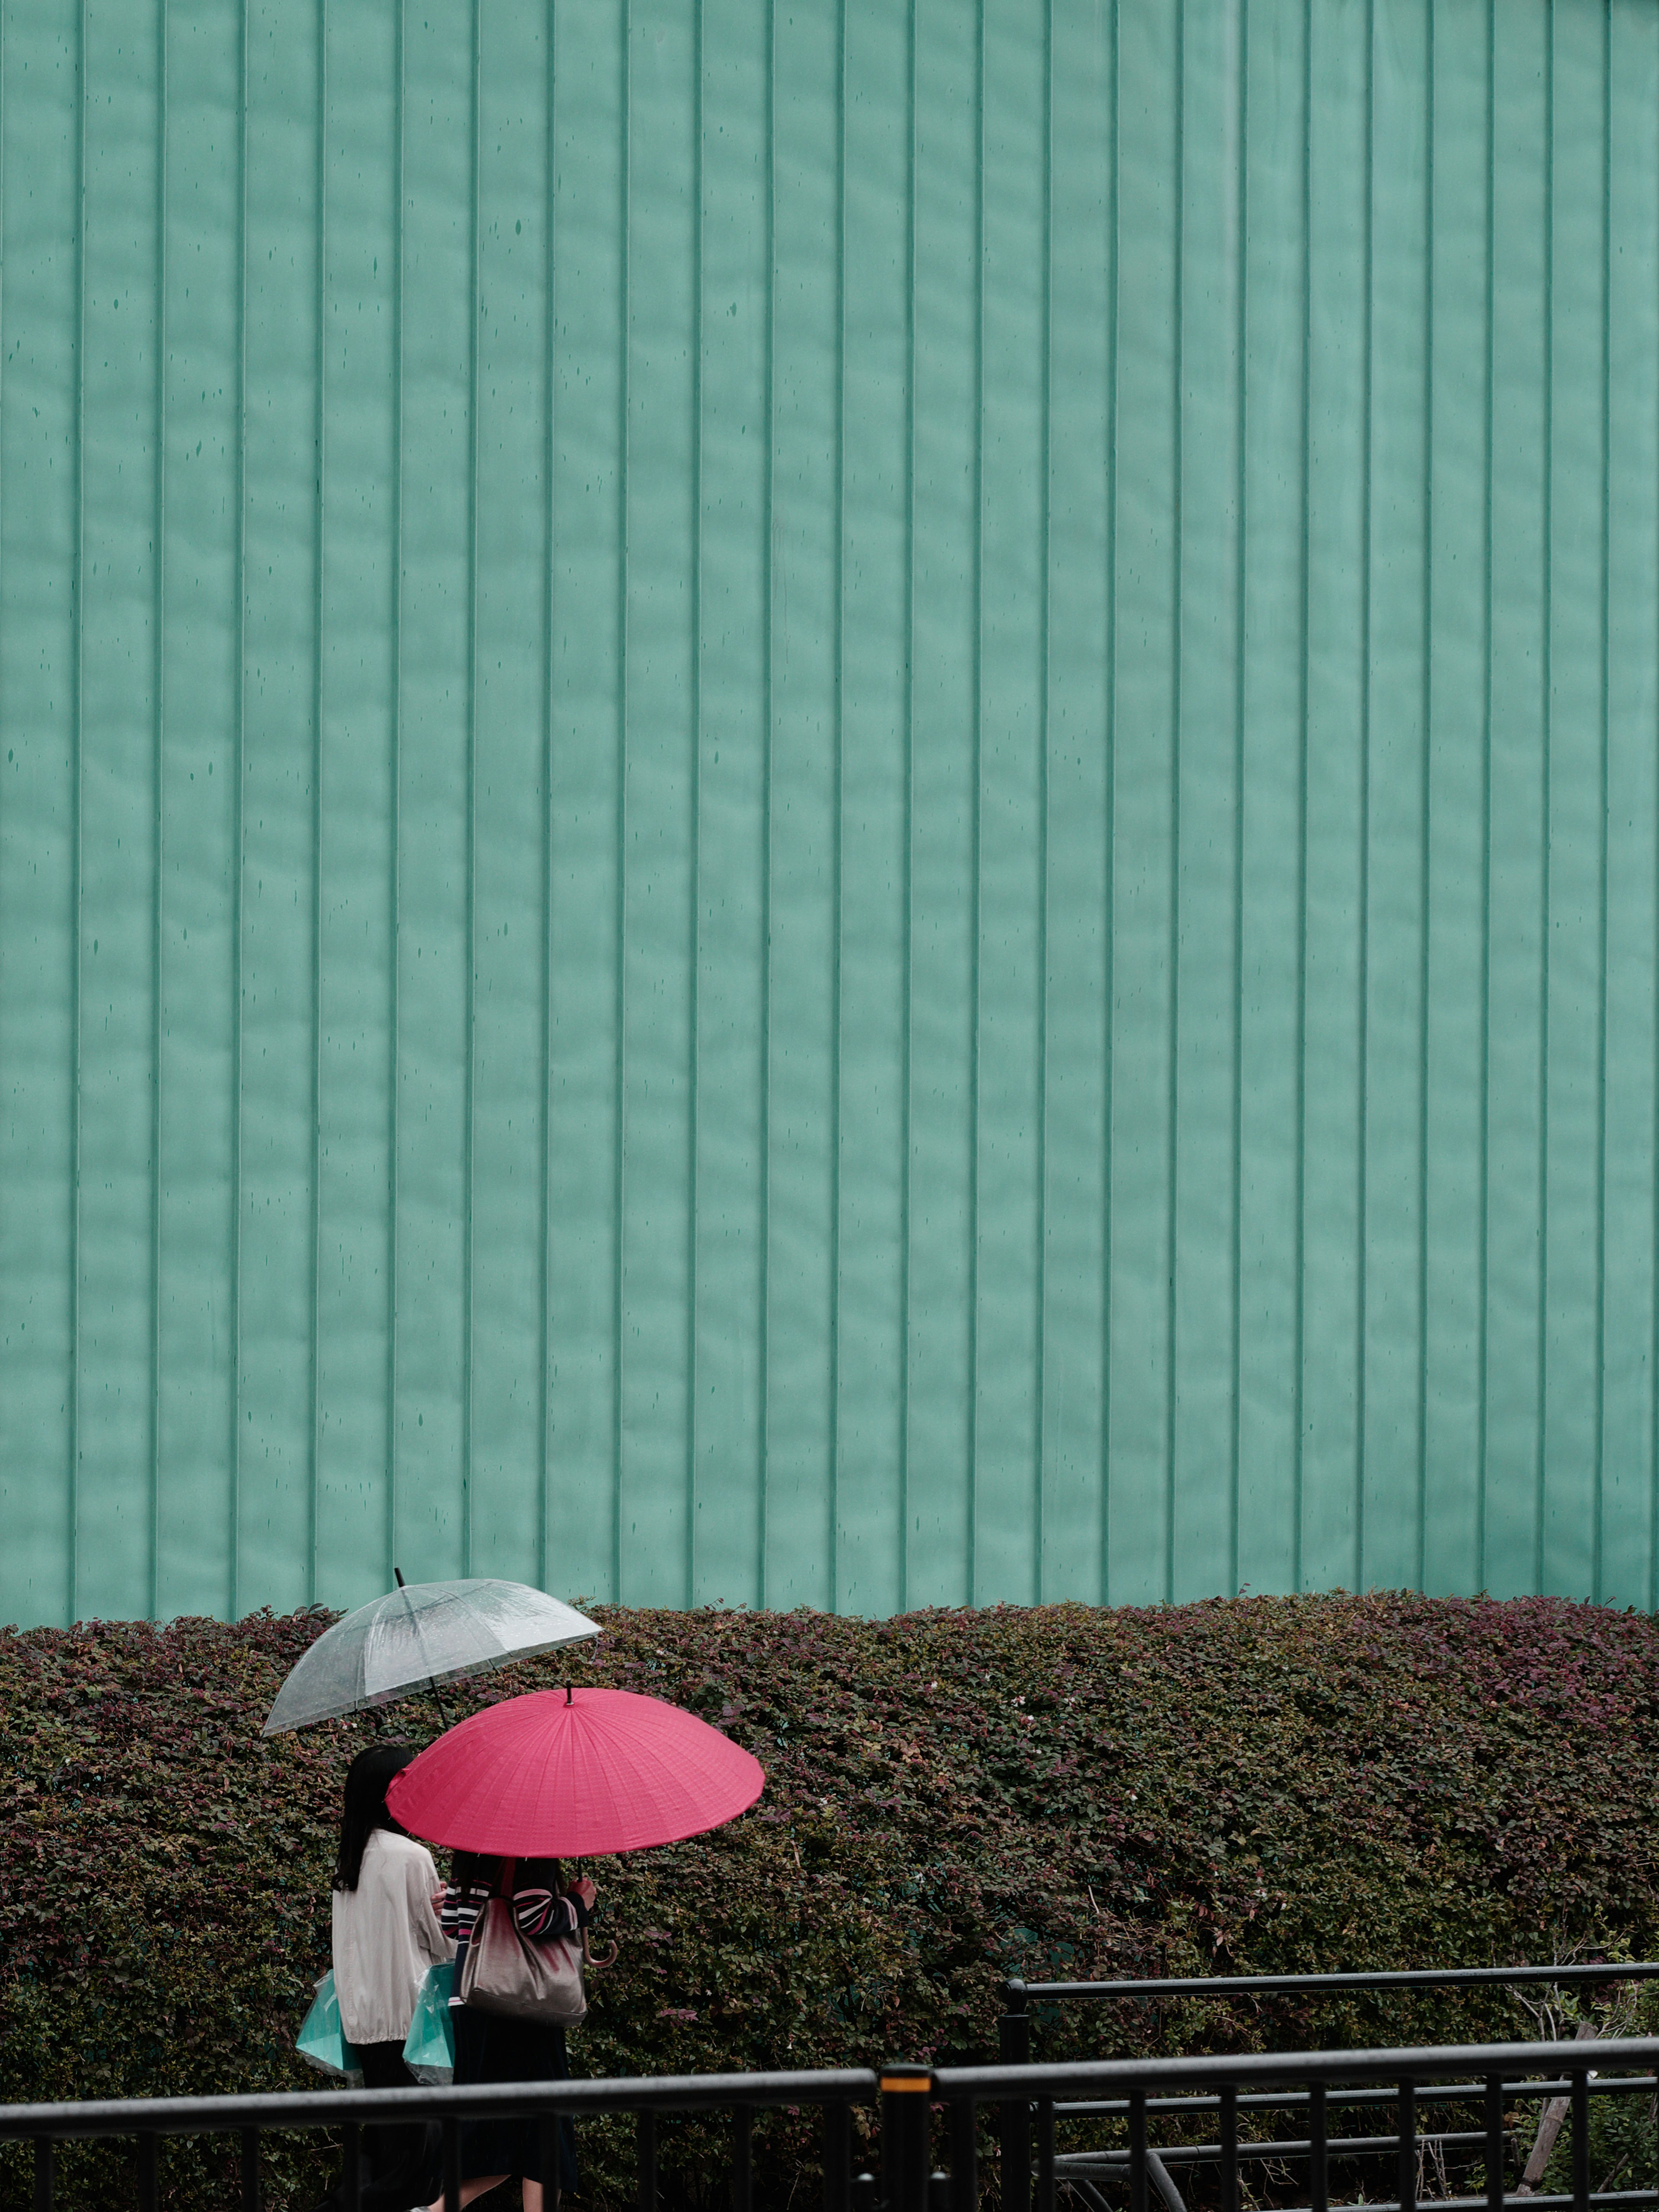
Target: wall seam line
x=1304 y=576
x=1364 y=1006
x=69 y=1526
x=159 y=827
x=1483 y=1276
x=1426 y=828
x=907 y=831
x=469 y=1016
x=1177 y=639
x=762 y=1363
x=77 y=771
x=977 y=801
x=619 y=1012
x=1241 y=544
x=238 y=830
x=1653 y=1233
x=394 y=780
x=318 y=578
x=549 y=611
x=1541 y=1477
x=839 y=628
x=1108 y=855
x=1045 y=640
x=694 y=886
x=1605 y=551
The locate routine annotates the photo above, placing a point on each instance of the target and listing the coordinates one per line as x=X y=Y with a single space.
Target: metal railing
x=1499 y=2075
x=1491 y=2078
x=146 y=2120
x=1014 y=2040
x=1149 y=1989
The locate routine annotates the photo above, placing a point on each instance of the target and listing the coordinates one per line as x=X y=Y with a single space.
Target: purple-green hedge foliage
x=1264 y=1784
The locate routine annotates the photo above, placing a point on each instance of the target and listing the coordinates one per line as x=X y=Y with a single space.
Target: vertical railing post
x=1137 y=2150
x=907 y=2093
x=451 y=2164
x=550 y=2144
x=964 y=2155
x=1318 y=2168
x=1496 y=2150
x=147 y=2174
x=1229 y=2146
x=646 y=2159
x=743 y=2157
x=351 y=2166
x=1045 y=2188
x=1581 y=2143
x=1407 y=2147
x=837 y=2158
x=250 y=2170
x=1014 y=2049
x=43 y=2173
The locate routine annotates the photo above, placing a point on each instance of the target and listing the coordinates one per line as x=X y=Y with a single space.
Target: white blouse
x=386 y=1934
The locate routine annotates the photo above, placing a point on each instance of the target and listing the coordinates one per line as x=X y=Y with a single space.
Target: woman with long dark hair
x=386 y=1933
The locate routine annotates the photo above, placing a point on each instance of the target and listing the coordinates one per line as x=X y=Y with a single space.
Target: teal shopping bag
x=321 y=2042
x=430 y=2046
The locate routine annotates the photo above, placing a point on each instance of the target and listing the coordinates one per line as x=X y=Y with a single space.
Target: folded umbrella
x=415 y=1637
x=573 y=1774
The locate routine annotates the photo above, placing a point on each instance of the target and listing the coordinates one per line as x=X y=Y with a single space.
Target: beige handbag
x=507 y=1972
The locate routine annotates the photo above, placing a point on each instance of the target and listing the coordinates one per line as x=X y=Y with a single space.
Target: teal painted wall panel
x=850 y=805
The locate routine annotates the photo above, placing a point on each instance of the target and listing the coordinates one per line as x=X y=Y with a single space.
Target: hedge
x=1264 y=1784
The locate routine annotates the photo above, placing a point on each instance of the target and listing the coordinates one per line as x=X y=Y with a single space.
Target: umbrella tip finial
x=568 y=1696
x=398 y=1573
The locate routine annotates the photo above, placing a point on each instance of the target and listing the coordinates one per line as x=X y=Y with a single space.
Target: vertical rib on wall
x=826 y=805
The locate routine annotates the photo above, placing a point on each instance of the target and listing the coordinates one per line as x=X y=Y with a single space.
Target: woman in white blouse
x=386 y=1934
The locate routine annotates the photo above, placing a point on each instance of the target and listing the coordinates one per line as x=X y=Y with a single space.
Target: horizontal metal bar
x=313 y=2108
x=1261 y=1986
x=1433 y=2063
x=1609 y=2197
x=132 y=2116
x=1451 y=2093
x=1195 y=2154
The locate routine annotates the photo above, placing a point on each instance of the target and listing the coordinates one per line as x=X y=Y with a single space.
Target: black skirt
x=398 y=2164
x=489 y=2047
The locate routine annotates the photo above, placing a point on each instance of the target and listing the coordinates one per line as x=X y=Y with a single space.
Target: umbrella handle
x=610 y=1959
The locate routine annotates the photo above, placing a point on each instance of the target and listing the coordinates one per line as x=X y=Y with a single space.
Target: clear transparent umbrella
x=415 y=1638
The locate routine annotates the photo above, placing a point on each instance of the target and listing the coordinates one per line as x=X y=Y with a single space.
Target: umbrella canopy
x=570 y=1773
x=427 y=1633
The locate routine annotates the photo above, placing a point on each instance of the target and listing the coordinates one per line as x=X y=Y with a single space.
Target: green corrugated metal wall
x=810 y=804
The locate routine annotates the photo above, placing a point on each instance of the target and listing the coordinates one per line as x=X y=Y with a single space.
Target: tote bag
x=506 y=1972
x=430 y=2046
x=321 y=2040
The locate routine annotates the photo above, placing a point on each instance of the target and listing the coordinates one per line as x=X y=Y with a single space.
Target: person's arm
x=459 y=1912
x=541 y=1912
x=542 y=1915
x=426 y=1924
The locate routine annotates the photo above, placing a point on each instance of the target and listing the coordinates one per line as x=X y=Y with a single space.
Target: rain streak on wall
x=805 y=804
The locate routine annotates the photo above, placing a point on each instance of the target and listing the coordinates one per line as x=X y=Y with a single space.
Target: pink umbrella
x=573 y=1774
